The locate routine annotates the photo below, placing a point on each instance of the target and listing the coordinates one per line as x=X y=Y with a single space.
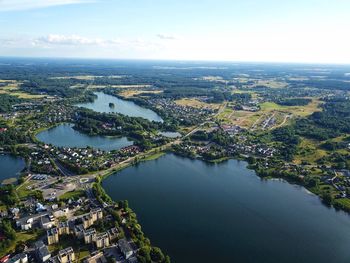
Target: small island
x=111 y=105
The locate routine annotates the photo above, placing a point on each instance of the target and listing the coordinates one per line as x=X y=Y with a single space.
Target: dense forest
x=333 y=121
x=293 y=102
x=6 y=102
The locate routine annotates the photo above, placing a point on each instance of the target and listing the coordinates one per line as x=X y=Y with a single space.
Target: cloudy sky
x=232 y=30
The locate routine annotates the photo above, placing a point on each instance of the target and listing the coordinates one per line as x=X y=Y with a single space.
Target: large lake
x=65 y=136
x=198 y=212
x=10 y=166
x=129 y=108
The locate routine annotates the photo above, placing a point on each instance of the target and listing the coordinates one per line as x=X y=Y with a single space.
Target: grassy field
x=309 y=151
x=302 y=111
x=282 y=114
x=243 y=119
x=88 y=77
x=132 y=93
x=136 y=86
x=154 y=156
x=13 y=90
x=141 y=86
x=75 y=194
x=197 y=104
x=275 y=84
x=21 y=237
x=80 y=249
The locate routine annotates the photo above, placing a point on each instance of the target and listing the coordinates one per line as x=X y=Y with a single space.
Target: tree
x=327 y=198
x=156 y=254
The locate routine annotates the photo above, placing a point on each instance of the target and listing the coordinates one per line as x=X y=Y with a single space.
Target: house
x=87 y=221
x=52 y=236
x=79 y=231
x=19 y=258
x=4 y=213
x=66 y=255
x=98 y=258
x=96 y=214
x=102 y=240
x=47 y=221
x=63 y=228
x=125 y=248
x=61 y=212
x=25 y=224
x=113 y=233
x=89 y=235
x=42 y=252
x=90 y=218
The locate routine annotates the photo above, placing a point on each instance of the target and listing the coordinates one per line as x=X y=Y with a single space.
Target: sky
x=311 y=31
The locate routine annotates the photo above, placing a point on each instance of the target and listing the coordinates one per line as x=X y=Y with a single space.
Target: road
x=131 y=160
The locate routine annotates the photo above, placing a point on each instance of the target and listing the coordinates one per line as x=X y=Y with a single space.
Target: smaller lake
x=128 y=108
x=65 y=136
x=10 y=166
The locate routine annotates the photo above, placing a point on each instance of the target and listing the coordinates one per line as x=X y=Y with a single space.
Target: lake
x=65 y=136
x=10 y=166
x=129 y=108
x=199 y=212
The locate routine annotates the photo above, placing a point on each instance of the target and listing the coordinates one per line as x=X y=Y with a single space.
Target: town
x=67 y=142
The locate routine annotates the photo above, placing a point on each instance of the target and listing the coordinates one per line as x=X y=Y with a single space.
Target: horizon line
x=178 y=60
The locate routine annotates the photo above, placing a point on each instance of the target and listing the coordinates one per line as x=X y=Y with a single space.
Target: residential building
x=87 y=221
x=52 y=236
x=89 y=235
x=19 y=258
x=79 y=231
x=98 y=258
x=42 y=251
x=47 y=221
x=125 y=248
x=113 y=233
x=96 y=214
x=102 y=240
x=63 y=228
x=66 y=255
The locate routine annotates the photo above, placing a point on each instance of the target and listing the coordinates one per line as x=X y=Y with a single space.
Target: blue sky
x=234 y=30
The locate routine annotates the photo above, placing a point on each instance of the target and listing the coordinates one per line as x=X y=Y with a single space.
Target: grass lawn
x=14 y=90
x=21 y=237
x=345 y=202
x=75 y=194
x=271 y=83
x=302 y=111
x=153 y=156
x=23 y=192
x=309 y=151
x=131 y=93
x=81 y=250
x=197 y=104
x=243 y=119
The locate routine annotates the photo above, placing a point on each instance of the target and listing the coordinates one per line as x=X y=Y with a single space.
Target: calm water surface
x=224 y=213
x=10 y=166
x=65 y=136
x=129 y=108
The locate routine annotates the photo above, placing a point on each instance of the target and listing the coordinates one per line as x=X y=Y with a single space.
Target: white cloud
x=269 y=45
x=69 y=40
x=14 y=5
x=60 y=42
x=166 y=37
